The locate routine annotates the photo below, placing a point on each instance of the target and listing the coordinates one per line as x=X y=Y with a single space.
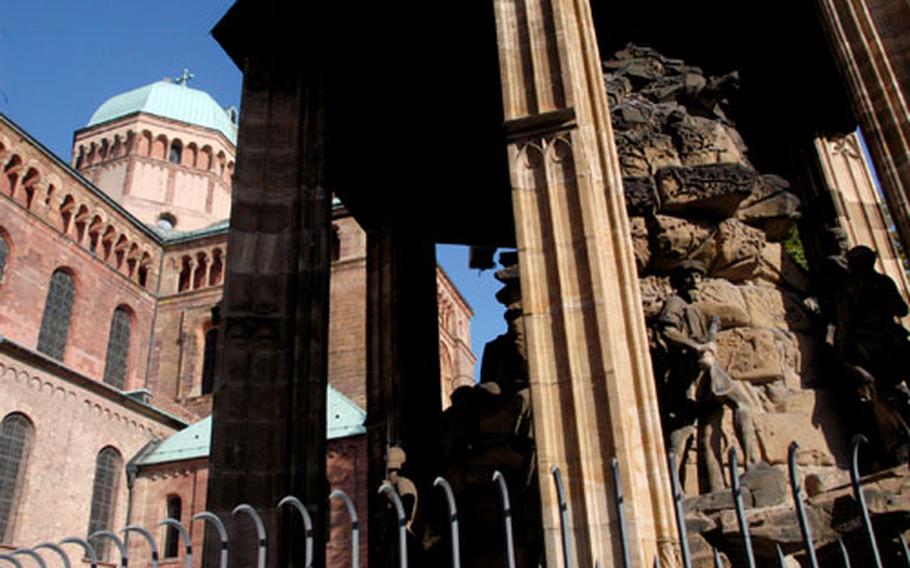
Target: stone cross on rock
x=184 y=77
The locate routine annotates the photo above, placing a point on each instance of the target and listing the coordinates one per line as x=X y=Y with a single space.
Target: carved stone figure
x=487 y=428
x=694 y=373
x=873 y=348
x=403 y=485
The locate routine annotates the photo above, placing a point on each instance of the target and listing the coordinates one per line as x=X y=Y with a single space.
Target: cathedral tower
x=164 y=151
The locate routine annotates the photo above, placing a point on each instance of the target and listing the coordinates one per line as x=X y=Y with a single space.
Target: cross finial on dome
x=184 y=77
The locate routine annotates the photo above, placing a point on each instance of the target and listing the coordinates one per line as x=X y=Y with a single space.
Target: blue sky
x=59 y=60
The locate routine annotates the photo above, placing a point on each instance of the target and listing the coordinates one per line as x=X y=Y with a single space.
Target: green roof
x=169 y=100
x=343 y=419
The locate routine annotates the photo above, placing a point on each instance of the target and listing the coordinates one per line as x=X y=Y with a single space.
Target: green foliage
x=794 y=247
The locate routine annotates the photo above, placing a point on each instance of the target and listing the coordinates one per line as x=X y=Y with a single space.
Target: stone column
x=870 y=39
x=858 y=204
x=592 y=388
x=403 y=391
x=269 y=429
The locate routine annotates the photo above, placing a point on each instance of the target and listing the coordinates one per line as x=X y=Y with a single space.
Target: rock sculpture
x=873 y=349
x=693 y=196
x=488 y=428
x=698 y=386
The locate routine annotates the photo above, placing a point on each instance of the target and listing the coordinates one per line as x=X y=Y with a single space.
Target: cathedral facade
x=111 y=272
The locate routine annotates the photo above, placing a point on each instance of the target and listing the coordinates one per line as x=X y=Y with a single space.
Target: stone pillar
x=592 y=388
x=403 y=391
x=269 y=429
x=870 y=39
x=858 y=204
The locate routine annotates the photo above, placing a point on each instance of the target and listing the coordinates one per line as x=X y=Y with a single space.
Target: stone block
x=618 y=88
x=641 y=195
x=654 y=292
x=723 y=299
x=767 y=485
x=775 y=432
x=632 y=159
x=778 y=268
x=675 y=239
x=640 y=243
x=751 y=354
x=775 y=307
x=738 y=249
x=642 y=148
x=710 y=190
x=771 y=207
x=672 y=87
x=702 y=141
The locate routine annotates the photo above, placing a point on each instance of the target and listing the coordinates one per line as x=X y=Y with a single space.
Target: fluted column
x=870 y=39
x=591 y=383
x=858 y=204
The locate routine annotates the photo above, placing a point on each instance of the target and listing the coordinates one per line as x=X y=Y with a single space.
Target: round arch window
x=167 y=221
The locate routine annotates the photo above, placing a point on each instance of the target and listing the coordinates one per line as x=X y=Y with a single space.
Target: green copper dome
x=169 y=100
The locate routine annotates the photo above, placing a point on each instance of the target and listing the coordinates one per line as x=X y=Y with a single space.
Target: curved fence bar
x=781 y=561
x=124 y=556
x=621 y=513
x=212 y=518
x=87 y=548
x=737 y=491
x=798 y=503
x=149 y=538
x=185 y=535
x=307 y=524
x=12 y=560
x=355 y=525
x=844 y=555
x=680 y=514
x=453 y=519
x=500 y=481
x=33 y=555
x=861 y=498
x=260 y=530
x=563 y=516
x=57 y=549
x=904 y=549
x=392 y=495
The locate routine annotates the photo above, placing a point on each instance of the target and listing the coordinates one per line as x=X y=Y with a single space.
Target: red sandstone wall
x=36 y=250
x=151 y=491
x=71 y=425
x=346 y=470
x=348 y=313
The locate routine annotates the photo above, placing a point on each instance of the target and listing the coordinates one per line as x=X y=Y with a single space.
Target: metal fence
x=245 y=510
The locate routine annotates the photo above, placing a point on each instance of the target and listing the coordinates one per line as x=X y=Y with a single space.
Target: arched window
x=118 y=348
x=216 y=273
x=4 y=252
x=202 y=263
x=174 y=509
x=176 y=151
x=55 y=323
x=167 y=221
x=186 y=271
x=208 y=361
x=104 y=496
x=15 y=440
